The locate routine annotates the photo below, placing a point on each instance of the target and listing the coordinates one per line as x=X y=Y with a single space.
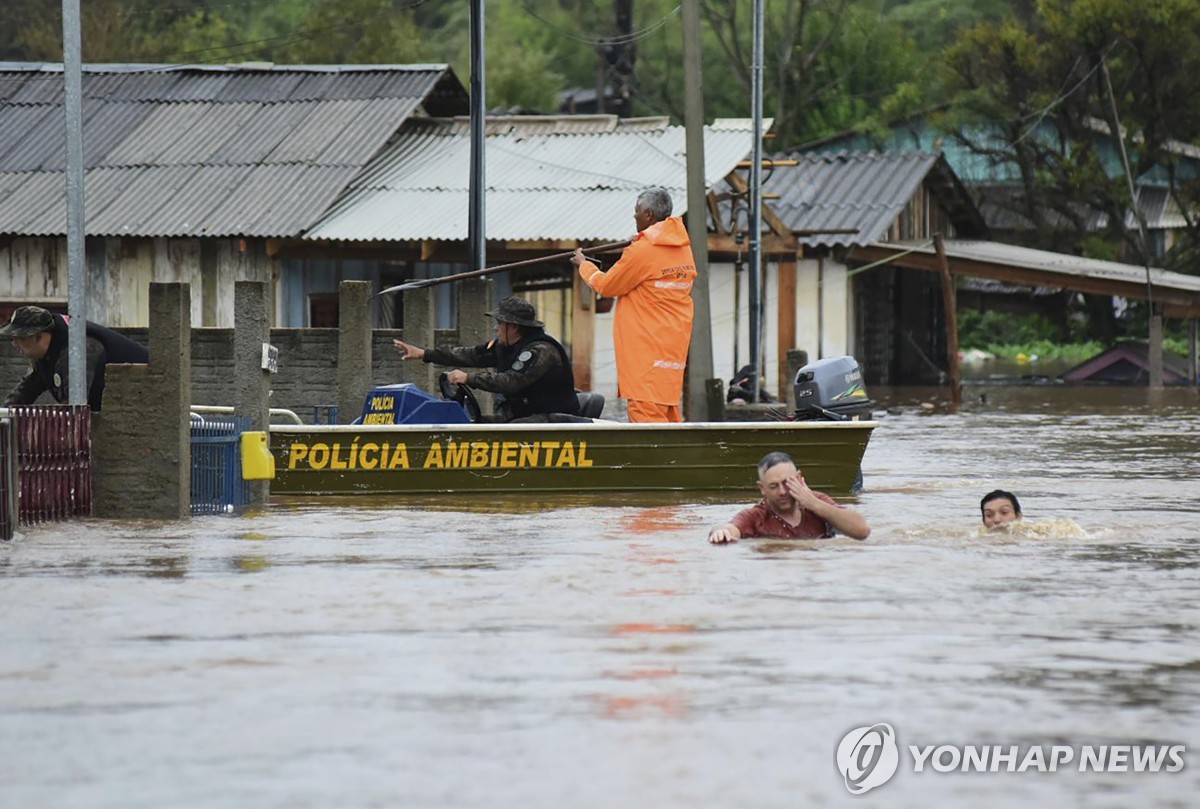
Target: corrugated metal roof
x=180 y=150
x=863 y=191
x=1058 y=263
x=548 y=177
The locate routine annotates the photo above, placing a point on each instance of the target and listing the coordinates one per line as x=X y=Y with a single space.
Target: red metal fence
x=54 y=462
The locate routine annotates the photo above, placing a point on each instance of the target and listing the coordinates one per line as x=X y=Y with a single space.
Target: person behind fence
x=789 y=509
x=652 y=327
x=41 y=337
x=531 y=369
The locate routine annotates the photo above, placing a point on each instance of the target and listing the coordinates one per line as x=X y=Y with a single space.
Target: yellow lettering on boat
x=456 y=454
x=335 y=458
x=399 y=457
x=583 y=459
x=508 y=455
x=550 y=446
x=318 y=456
x=362 y=456
x=433 y=458
x=479 y=454
x=567 y=456
x=380 y=418
x=297 y=453
x=383 y=403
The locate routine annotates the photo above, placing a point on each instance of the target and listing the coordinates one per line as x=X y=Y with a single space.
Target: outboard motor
x=831 y=389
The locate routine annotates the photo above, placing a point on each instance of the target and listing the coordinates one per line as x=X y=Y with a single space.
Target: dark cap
x=28 y=321
x=517 y=310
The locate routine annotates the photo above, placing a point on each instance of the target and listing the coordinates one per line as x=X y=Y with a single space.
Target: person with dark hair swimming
x=999 y=508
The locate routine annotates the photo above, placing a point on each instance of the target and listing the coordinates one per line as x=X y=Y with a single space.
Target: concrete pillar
x=354 y=348
x=252 y=384
x=418 y=330
x=474 y=302
x=797 y=358
x=141 y=442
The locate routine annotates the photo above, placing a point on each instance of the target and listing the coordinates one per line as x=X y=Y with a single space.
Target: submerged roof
x=548 y=177
x=180 y=150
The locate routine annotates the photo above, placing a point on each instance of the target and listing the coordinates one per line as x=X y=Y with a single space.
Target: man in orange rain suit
x=652 y=327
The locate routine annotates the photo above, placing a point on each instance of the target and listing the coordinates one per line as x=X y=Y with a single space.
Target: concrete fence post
x=252 y=383
x=418 y=331
x=354 y=348
x=141 y=441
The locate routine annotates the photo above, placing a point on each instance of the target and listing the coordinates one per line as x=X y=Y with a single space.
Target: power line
x=625 y=39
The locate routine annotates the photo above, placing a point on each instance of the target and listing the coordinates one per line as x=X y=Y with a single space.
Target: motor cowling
x=831 y=389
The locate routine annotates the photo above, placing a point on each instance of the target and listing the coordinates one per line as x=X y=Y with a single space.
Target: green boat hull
x=576 y=458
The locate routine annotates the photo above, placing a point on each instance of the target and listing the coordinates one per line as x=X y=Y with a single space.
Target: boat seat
x=591 y=405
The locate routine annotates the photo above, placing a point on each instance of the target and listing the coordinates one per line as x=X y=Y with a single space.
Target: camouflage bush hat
x=28 y=321
x=517 y=310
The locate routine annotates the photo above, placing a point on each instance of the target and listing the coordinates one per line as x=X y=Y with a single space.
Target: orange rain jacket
x=653 y=323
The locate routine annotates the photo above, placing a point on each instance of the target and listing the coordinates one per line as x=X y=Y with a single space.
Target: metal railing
x=217 y=485
x=53 y=449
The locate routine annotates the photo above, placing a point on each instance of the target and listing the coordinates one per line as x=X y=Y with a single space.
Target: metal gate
x=217 y=485
x=51 y=448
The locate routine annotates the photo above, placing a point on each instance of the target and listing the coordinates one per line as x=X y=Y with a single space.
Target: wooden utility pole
x=950 y=303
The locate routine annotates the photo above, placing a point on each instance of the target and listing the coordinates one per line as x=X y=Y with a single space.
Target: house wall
x=118 y=273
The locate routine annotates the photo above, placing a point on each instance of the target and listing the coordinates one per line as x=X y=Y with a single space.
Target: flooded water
x=591 y=653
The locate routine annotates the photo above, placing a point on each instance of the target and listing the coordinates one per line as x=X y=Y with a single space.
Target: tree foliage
x=1055 y=98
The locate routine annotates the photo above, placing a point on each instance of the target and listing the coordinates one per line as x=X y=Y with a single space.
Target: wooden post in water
x=1193 y=359
x=1156 y=350
x=950 y=302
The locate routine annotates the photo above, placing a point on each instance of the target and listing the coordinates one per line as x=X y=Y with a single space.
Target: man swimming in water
x=999 y=508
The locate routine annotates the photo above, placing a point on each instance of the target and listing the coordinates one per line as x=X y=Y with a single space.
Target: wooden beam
x=787 y=321
x=772 y=245
x=583 y=333
x=950 y=303
x=768 y=213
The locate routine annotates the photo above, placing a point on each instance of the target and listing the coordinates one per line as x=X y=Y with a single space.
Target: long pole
x=756 y=203
x=700 y=354
x=476 y=224
x=446 y=279
x=76 y=281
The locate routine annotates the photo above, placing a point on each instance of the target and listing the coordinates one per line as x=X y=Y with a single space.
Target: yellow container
x=257 y=461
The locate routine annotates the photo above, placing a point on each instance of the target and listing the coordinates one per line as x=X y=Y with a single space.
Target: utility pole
x=621 y=54
x=700 y=355
x=76 y=280
x=476 y=217
x=756 y=292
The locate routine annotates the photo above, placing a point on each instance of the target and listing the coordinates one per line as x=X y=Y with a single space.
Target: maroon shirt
x=759 y=521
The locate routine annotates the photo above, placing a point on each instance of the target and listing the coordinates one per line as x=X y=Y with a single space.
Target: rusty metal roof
x=548 y=177
x=175 y=150
x=863 y=192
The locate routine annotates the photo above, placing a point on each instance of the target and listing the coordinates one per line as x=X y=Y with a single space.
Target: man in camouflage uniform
x=532 y=371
